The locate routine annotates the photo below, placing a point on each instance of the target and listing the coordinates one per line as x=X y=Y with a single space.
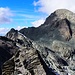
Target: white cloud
x=48 y=6
x=19 y=27
x=5 y=14
x=28 y=16
x=38 y=22
x=3 y=31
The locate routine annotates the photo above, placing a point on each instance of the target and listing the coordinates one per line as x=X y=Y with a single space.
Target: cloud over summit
x=38 y=23
x=48 y=6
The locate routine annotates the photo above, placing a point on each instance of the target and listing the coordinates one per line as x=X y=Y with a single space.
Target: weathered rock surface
x=55 y=39
x=60 y=59
x=46 y=50
x=7 y=49
x=27 y=60
x=58 y=26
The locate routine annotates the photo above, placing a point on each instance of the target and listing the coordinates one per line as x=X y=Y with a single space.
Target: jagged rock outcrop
x=7 y=49
x=27 y=60
x=57 y=60
x=60 y=59
x=19 y=38
x=57 y=34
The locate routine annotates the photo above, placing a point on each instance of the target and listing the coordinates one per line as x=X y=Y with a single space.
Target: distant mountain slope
x=60 y=25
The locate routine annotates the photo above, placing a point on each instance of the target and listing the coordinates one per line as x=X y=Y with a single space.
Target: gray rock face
x=26 y=63
x=64 y=13
x=57 y=34
x=57 y=26
x=59 y=59
x=7 y=50
x=27 y=60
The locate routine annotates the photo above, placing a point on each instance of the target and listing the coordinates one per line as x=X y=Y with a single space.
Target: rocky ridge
x=57 y=34
x=46 y=50
x=7 y=49
x=27 y=59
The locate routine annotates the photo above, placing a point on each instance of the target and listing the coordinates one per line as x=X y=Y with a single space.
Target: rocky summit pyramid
x=46 y=50
x=58 y=26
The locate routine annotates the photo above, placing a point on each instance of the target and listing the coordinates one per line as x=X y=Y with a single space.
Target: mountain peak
x=64 y=13
x=62 y=10
x=59 y=15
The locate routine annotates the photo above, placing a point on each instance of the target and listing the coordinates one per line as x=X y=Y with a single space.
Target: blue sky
x=26 y=13
x=18 y=14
